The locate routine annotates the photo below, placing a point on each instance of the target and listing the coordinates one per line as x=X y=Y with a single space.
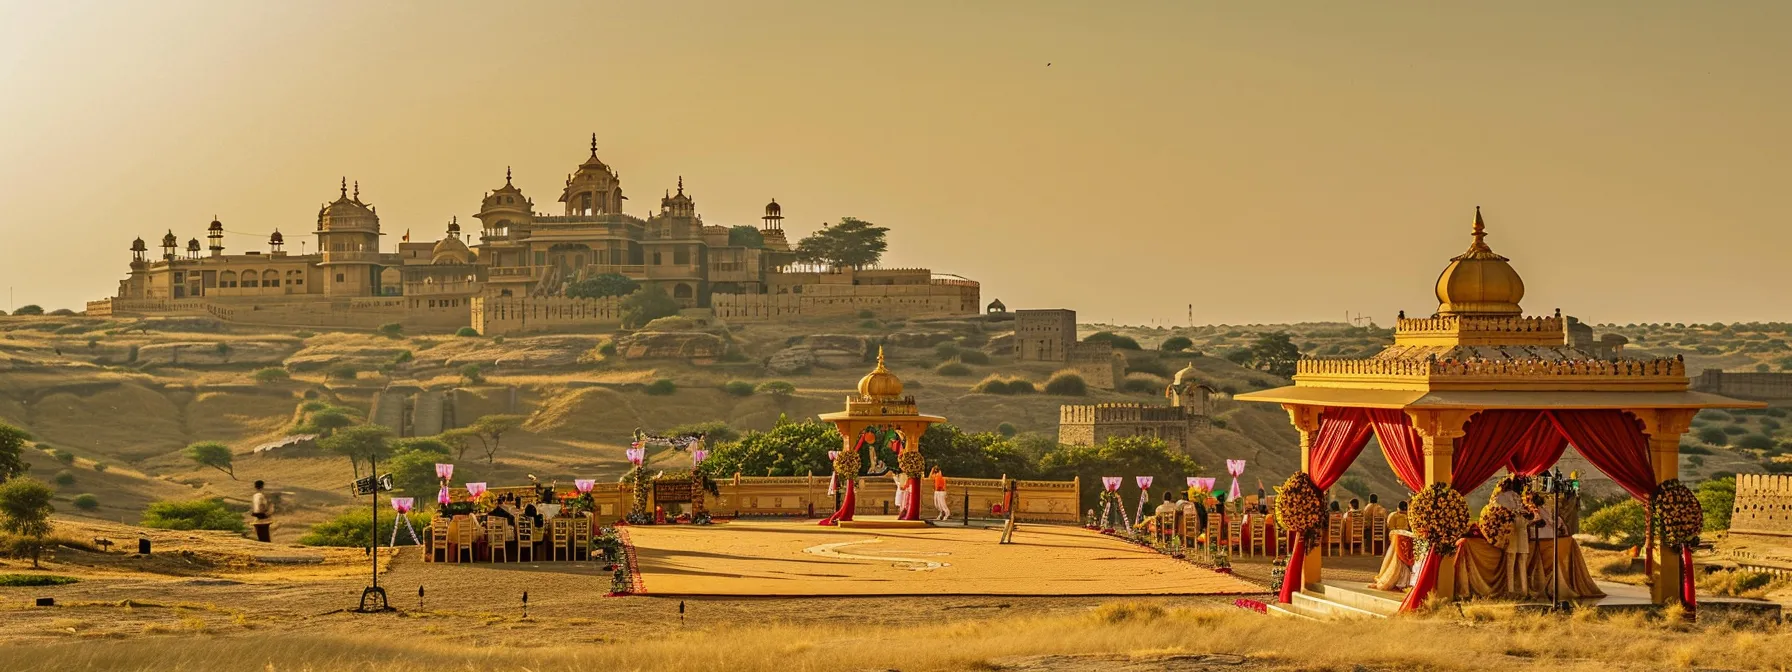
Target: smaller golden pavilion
x=1479 y=363
x=880 y=405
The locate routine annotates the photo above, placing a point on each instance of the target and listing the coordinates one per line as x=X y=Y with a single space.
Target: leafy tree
x=270 y=375
x=422 y=444
x=1007 y=429
x=327 y=421
x=1622 y=522
x=212 y=454
x=1176 y=344
x=776 y=388
x=354 y=528
x=87 y=501
x=414 y=472
x=1239 y=356
x=459 y=439
x=12 y=445
x=1275 y=353
x=471 y=374
x=491 y=429
x=603 y=285
x=646 y=305
x=853 y=243
x=1119 y=342
x=789 y=449
x=192 y=514
x=29 y=309
x=738 y=388
x=1717 y=497
x=979 y=455
x=359 y=443
x=25 y=512
x=1125 y=455
x=1713 y=435
x=745 y=236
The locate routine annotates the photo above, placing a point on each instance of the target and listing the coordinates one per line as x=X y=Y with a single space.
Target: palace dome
x=880 y=383
x=450 y=250
x=1479 y=282
x=1187 y=374
x=772 y=209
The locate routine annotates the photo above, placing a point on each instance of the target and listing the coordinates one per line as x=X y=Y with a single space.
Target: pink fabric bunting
x=1143 y=481
x=403 y=504
x=444 y=471
x=442 y=497
x=475 y=490
x=584 y=485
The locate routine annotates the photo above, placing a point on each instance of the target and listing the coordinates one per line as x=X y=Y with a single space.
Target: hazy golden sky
x=1265 y=161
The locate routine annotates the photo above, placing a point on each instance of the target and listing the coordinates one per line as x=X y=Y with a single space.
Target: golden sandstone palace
x=512 y=276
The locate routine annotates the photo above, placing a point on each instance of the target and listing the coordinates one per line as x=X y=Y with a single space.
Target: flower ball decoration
x=1496 y=523
x=846 y=464
x=1681 y=517
x=911 y=463
x=1440 y=516
x=1299 y=507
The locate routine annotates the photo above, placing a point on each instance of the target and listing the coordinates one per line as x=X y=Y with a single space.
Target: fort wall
x=1763 y=505
x=1757 y=386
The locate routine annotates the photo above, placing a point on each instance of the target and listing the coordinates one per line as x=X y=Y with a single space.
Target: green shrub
x=1021 y=386
x=1007 y=429
x=466 y=332
x=34 y=580
x=1119 y=342
x=1143 y=383
x=1694 y=449
x=497 y=340
x=61 y=455
x=660 y=388
x=777 y=388
x=738 y=388
x=354 y=529
x=946 y=350
x=1176 y=344
x=87 y=502
x=472 y=374
x=403 y=357
x=302 y=334
x=1754 y=442
x=192 y=514
x=866 y=314
x=392 y=330
x=953 y=368
x=1714 y=436
x=608 y=349
x=978 y=357
x=345 y=372
x=1151 y=366
x=270 y=375
x=1066 y=384
x=64 y=478
x=991 y=384
x=99 y=466
x=1735 y=430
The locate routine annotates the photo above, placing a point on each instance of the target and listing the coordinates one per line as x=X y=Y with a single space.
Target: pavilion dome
x=450 y=250
x=1186 y=375
x=1479 y=282
x=880 y=383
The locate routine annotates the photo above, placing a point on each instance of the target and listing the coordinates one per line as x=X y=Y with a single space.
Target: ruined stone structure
x=1190 y=409
x=1049 y=335
x=350 y=281
x=1580 y=337
x=1751 y=385
x=1763 y=505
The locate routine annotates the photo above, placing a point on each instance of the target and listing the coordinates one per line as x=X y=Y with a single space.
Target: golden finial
x=507 y=176
x=357 y=190
x=594 y=145
x=680 y=185
x=880 y=359
x=345 y=186
x=1480 y=232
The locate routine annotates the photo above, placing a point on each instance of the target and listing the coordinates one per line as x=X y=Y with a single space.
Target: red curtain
x=1340 y=438
x=1614 y=442
x=1401 y=444
x=1540 y=449
x=1424 y=581
x=1486 y=445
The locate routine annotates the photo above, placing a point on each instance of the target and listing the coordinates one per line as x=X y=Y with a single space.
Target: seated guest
x=1375 y=511
x=1397 y=519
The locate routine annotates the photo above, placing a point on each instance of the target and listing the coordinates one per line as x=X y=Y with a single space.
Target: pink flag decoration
x=1235 y=495
x=636 y=456
x=1206 y=484
x=584 y=485
x=1235 y=468
x=475 y=489
x=1111 y=483
x=444 y=471
x=1143 y=481
x=1194 y=482
x=833 y=455
x=403 y=504
x=442 y=497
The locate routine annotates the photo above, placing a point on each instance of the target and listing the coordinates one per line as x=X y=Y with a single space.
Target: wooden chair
x=1234 y=540
x=1164 y=528
x=497 y=536
x=438 y=539
x=525 y=539
x=1260 y=541
x=581 y=538
x=562 y=538
x=1214 y=538
x=466 y=530
x=1334 y=533
x=1378 y=536
x=1357 y=541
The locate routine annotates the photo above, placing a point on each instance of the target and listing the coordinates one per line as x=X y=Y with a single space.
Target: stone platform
x=800 y=558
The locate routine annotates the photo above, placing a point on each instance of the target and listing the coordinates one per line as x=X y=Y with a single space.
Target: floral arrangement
x=1439 y=516
x=1299 y=508
x=580 y=504
x=640 y=487
x=1222 y=561
x=911 y=463
x=1278 y=570
x=846 y=464
x=1679 y=516
x=1110 y=503
x=1496 y=523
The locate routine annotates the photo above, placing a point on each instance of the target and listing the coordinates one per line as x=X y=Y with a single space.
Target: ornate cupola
x=594 y=190
x=678 y=205
x=138 y=250
x=169 y=245
x=276 y=241
x=880 y=384
x=774 y=217
x=193 y=248
x=504 y=208
x=1479 y=282
x=214 y=235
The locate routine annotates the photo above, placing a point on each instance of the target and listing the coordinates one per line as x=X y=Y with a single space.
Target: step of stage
x=1361 y=597
x=1289 y=611
x=1327 y=609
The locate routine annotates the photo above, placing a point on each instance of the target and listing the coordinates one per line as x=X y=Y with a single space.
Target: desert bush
x=99 y=466
x=392 y=330
x=352 y=529
x=1152 y=366
x=1176 y=344
x=1119 y=342
x=192 y=514
x=87 y=501
x=403 y=357
x=777 y=388
x=660 y=388
x=608 y=349
x=466 y=332
x=1754 y=442
x=946 y=350
x=738 y=388
x=977 y=357
x=64 y=478
x=1735 y=430
x=1623 y=523
x=270 y=375
x=344 y=372
x=1067 y=384
x=472 y=374
x=991 y=384
x=1713 y=436
x=953 y=368
x=1740 y=583
x=1143 y=383
x=1007 y=429
x=866 y=314
x=302 y=334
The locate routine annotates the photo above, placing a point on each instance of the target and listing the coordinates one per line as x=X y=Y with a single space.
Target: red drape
x=1689 y=597
x=1540 y=449
x=1614 y=442
x=1401 y=444
x=1424 y=581
x=1486 y=445
x=846 y=505
x=1340 y=438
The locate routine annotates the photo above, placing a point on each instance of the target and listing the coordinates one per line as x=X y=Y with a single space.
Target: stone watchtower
x=348 y=235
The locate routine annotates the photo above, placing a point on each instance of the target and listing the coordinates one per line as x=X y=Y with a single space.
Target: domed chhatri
x=1479 y=282
x=1186 y=375
x=880 y=383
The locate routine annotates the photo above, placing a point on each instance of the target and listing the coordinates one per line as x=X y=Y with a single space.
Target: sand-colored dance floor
x=800 y=558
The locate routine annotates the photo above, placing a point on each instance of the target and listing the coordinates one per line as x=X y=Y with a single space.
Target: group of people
x=1536 y=525
x=903 y=483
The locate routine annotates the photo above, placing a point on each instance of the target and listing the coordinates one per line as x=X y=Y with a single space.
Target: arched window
x=681 y=291
x=227 y=279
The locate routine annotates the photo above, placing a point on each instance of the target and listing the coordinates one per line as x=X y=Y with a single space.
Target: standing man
x=263 y=512
x=939 y=494
x=1008 y=508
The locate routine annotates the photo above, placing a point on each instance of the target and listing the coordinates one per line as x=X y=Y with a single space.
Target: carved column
x=1438 y=431
x=1306 y=420
x=1664 y=426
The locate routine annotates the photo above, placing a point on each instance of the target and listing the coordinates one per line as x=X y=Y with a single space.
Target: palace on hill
x=512 y=273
